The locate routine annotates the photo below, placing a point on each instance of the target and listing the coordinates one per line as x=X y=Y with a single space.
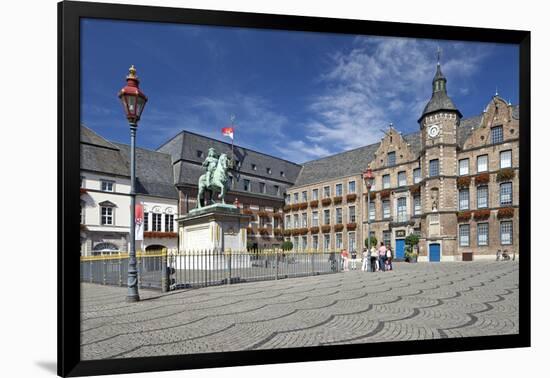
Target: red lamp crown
x=132 y=98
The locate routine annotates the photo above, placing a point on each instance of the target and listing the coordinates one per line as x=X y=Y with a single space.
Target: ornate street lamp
x=369 y=179
x=133 y=101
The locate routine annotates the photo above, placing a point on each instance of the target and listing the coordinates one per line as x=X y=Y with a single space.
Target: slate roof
x=183 y=149
x=343 y=164
x=153 y=169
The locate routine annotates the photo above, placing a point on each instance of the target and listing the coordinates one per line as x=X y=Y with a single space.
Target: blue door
x=435 y=252
x=400 y=248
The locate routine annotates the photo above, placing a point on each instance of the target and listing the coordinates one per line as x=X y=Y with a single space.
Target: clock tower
x=439 y=123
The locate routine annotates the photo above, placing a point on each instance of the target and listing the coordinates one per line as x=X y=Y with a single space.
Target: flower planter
x=338 y=227
x=482 y=179
x=463 y=216
x=286 y=208
x=385 y=194
x=160 y=235
x=302 y=206
x=326 y=201
x=314 y=230
x=463 y=182
x=505 y=174
x=507 y=212
x=295 y=206
x=415 y=189
x=337 y=200
x=351 y=226
x=482 y=215
x=351 y=197
x=325 y=228
x=314 y=203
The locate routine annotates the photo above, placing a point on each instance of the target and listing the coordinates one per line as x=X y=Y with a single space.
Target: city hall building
x=454 y=182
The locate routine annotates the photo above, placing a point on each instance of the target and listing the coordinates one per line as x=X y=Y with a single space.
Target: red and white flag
x=227 y=131
x=139 y=221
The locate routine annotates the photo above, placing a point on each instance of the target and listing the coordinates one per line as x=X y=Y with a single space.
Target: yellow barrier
x=124 y=255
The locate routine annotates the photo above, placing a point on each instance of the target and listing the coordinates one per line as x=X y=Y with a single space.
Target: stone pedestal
x=209 y=233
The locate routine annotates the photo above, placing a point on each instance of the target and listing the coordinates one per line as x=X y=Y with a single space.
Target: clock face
x=433 y=131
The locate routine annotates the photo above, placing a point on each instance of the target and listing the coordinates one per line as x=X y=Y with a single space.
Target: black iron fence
x=171 y=270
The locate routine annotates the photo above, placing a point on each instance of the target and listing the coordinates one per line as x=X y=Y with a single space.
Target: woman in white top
x=374 y=259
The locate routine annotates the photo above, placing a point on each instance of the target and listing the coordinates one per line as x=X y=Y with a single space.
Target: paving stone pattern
x=415 y=301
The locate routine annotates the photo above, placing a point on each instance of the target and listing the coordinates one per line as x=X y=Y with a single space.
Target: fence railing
x=213 y=267
x=113 y=269
x=171 y=270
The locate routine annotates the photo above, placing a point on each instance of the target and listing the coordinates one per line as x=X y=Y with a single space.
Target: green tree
x=287 y=245
x=373 y=241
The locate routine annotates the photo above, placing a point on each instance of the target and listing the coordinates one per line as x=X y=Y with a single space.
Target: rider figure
x=210 y=163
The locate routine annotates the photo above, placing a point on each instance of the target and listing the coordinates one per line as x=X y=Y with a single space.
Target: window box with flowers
x=296 y=231
x=463 y=216
x=506 y=212
x=295 y=206
x=304 y=230
x=325 y=228
x=351 y=226
x=463 y=181
x=314 y=230
x=505 y=174
x=263 y=231
x=385 y=194
x=314 y=204
x=415 y=189
x=351 y=197
x=338 y=227
x=482 y=179
x=337 y=200
x=287 y=232
x=302 y=206
x=160 y=234
x=480 y=215
x=372 y=196
x=264 y=214
x=326 y=201
x=277 y=232
x=286 y=208
x=247 y=211
x=277 y=215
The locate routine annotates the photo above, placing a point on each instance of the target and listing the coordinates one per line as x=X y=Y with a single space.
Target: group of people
x=374 y=260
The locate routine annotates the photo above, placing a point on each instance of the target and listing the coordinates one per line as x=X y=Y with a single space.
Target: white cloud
x=382 y=80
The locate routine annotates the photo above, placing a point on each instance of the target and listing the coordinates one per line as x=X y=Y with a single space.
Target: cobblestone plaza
x=413 y=302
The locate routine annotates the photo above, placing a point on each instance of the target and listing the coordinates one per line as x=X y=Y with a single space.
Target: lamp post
x=369 y=178
x=133 y=101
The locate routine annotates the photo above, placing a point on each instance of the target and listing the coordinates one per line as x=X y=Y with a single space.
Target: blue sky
x=295 y=95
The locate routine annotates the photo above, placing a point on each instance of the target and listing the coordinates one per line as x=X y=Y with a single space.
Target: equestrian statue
x=214 y=180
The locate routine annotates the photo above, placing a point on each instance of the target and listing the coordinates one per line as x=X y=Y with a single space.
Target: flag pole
x=232 y=139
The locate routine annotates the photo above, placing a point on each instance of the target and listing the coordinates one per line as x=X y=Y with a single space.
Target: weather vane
x=232 y=119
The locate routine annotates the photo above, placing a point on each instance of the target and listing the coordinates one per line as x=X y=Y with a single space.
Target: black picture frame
x=69 y=15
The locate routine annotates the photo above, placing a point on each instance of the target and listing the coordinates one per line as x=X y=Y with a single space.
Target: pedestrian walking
x=353 y=260
x=345 y=260
x=374 y=259
x=365 y=266
x=499 y=253
x=382 y=257
x=389 y=258
x=332 y=260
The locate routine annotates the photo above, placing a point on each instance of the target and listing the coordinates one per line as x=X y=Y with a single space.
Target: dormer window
x=253 y=166
x=282 y=174
x=268 y=170
x=200 y=154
